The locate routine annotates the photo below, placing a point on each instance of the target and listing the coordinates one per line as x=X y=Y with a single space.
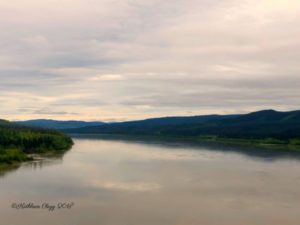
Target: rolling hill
x=149 y=125
x=271 y=125
x=56 y=124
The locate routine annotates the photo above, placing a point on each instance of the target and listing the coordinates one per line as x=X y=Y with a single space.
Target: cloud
x=135 y=59
x=47 y=111
x=108 y=77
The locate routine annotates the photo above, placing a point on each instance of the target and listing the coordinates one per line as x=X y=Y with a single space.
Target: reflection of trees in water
x=265 y=153
x=39 y=163
x=6 y=169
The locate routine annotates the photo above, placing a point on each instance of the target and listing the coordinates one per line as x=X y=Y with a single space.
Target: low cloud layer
x=127 y=59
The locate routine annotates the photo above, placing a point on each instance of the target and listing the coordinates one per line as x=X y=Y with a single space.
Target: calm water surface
x=133 y=182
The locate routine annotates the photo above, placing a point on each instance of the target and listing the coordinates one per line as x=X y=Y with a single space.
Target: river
x=110 y=181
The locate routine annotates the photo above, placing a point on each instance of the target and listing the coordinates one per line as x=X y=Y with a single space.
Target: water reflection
x=37 y=164
x=43 y=162
x=266 y=154
x=170 y=143
x=6 y=169
x=152 y=182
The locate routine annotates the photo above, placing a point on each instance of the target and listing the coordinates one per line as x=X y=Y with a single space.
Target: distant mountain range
x=74 y=124
x=149 y=124
x=59 y=125
x=266 y=124
x=270 y=125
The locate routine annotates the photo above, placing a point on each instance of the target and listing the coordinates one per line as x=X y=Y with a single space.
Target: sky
x=116 y=60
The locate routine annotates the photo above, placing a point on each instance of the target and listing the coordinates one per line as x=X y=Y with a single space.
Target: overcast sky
x=132 y=59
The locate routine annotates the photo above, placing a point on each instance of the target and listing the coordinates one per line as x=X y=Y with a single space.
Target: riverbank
x=267 y=143
x=10 y=157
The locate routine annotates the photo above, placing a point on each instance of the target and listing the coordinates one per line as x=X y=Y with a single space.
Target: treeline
x=17 y=141
x=266 y=127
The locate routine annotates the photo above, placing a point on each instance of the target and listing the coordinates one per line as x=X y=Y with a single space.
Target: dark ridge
x=56 y=124
x=266 y=124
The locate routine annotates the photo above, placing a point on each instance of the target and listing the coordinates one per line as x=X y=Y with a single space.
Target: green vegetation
x=58 y=125
x=17 y=141
x=290 y=144
x=12 y=155
x=263 y=128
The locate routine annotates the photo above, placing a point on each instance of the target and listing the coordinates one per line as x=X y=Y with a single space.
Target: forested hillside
x=57 y=124
x=266 y=126
x=16 y=141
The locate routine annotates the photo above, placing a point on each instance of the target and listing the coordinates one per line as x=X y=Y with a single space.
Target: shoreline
x=21 y=156
x=259 y=143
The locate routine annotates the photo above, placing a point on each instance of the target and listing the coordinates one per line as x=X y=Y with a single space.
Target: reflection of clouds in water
x=193 y=155
x=177 y=155
x=131 y=167
x=201 y=150
x=126 y=186
x=119 y=151
x=4 y=170
x=126 y=183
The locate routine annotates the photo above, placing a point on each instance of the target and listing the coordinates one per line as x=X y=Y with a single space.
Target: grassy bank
x=270 y=143
x=11 y=156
